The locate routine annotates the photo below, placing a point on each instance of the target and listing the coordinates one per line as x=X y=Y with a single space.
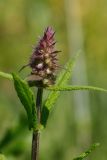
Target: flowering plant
x=44 y=65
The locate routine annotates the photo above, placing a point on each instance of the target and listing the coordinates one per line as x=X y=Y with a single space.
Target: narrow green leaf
x=6 y=75
x=71 y=88
x=85 y=154
x=53 y=96
x=26 y=97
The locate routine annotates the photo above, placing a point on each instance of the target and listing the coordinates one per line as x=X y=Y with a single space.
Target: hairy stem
x=36 y=134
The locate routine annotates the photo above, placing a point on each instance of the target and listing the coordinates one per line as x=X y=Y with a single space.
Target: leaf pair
x=27 y=99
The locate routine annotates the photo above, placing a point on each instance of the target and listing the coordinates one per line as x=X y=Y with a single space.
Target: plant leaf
x=71 y=88
x=53 y=96
x=6 y=75
x=85 y=154
x=26 y=97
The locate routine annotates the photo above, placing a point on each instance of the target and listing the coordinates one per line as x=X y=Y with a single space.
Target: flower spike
x=43 y=61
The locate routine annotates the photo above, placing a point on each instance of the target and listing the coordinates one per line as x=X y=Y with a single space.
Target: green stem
x=36 y=134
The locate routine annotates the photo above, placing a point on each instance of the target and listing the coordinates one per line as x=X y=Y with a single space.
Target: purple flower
x=43 y=61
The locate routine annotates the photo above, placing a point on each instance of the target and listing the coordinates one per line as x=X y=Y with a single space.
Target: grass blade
x=85 y=154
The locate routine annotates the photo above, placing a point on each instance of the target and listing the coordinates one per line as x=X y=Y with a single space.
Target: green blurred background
x=79 y=118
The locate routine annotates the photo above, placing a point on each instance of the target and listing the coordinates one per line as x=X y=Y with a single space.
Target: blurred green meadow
x=79 y=118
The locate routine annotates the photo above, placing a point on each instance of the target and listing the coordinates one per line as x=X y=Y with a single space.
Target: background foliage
x=77 y=120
